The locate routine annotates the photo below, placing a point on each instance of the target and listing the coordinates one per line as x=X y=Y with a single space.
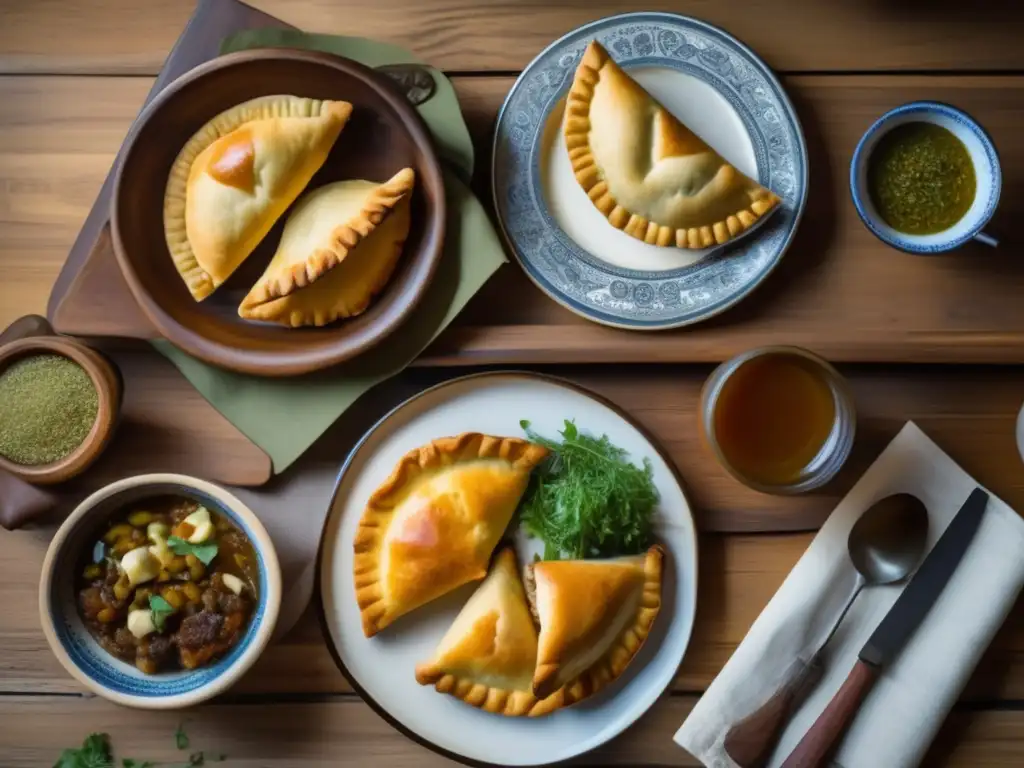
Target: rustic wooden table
x=73 y=74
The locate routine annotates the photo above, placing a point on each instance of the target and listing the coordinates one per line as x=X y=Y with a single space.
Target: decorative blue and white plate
x=725 y=94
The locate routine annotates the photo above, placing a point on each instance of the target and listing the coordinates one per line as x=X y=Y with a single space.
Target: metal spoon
x=885 y=545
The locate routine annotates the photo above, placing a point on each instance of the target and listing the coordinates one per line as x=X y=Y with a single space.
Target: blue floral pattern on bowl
x=630 y=298
x=82 y=649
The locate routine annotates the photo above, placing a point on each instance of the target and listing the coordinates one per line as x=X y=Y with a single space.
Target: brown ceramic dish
x=384 y=134
x=108 y=386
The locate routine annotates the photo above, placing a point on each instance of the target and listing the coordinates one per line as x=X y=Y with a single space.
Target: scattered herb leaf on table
x=94 y=753
x=587 y=499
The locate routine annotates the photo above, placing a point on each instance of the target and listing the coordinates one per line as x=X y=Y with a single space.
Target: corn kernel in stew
x=192 y=592
x=141 y=519
x=173 y=596
x=117 y=532
x=106 y=615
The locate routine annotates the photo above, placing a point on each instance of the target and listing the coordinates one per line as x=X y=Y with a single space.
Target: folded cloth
x=900 y=716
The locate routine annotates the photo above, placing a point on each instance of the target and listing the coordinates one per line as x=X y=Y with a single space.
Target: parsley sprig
x=96 y=752
x=205 y=552
x=587 y=499
x=160 y=609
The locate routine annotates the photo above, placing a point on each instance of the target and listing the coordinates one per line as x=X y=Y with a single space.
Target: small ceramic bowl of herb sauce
x=925 y=178
x=59 y=402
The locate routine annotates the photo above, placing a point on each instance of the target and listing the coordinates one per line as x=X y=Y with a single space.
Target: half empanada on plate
x=339 y=247
x=434 y=523
x=594 y=615
x=487 y=657
x=649 y=174
x=236 y=176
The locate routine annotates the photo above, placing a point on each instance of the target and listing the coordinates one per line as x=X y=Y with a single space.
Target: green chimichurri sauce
x=921 y=178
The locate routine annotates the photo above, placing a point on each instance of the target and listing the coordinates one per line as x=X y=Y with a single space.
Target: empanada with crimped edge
x=649 y=174
x=488 y=655
x=339 y=247
x=235 y=178
x=594 y=615
x=434 y=523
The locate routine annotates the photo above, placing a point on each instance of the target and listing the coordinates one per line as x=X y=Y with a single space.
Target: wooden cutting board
x=97 y=293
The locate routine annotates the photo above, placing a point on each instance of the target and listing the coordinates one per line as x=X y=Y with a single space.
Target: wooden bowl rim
x=232 y=357
x=108 y=390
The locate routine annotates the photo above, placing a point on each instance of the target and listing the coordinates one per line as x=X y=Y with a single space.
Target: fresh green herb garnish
x=94 y=753
x=587 y=499
x=180 y=737
x=205 y=552
x=99 y=552
x=160 y=609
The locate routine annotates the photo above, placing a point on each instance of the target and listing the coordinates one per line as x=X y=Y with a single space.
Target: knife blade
x=891 y=635
x=924 y=588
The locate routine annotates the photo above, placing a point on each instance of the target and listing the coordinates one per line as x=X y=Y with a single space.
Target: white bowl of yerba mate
x=925 y=178
x=59 y=402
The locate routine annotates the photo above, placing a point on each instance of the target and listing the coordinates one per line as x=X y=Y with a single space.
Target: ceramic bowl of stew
x=160 y=591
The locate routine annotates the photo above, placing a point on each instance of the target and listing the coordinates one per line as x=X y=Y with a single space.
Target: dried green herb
x=587 y=499
x=48 y=405
x=921 y=178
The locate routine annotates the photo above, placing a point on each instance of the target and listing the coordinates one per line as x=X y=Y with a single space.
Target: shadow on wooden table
x=814 y=236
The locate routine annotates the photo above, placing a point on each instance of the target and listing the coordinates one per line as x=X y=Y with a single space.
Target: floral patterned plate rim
x=636 y=299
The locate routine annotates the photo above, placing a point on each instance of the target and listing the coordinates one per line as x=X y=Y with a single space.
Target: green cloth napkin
x=286 y=416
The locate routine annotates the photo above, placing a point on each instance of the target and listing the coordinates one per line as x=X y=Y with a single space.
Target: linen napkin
x=899 y=718
x=285 y=416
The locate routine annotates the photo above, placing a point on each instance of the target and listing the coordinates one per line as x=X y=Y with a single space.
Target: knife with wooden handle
x=750 y=742
x=891 y=635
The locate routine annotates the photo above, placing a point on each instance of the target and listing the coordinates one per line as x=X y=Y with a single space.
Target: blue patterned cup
x=117 y=680
x=986 y=171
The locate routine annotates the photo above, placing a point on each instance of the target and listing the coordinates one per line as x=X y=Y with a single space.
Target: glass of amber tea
x=779 y=419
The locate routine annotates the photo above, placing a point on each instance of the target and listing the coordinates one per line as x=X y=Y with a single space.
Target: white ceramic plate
x=382 y=668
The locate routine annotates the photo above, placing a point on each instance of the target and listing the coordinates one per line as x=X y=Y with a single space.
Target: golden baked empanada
x=594 y=615
x=649 y=174
x=339 y=247
x=488 y=655
x=237 y=175
x=432 y=525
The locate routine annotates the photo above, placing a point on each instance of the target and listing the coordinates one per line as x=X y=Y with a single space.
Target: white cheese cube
x=233 y=583
x=140 y=623
x=140 y=566
x=201 y=524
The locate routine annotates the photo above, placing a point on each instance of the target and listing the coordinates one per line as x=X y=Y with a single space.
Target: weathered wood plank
x=123 y=36
x=343 y=731
x=838 y=290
